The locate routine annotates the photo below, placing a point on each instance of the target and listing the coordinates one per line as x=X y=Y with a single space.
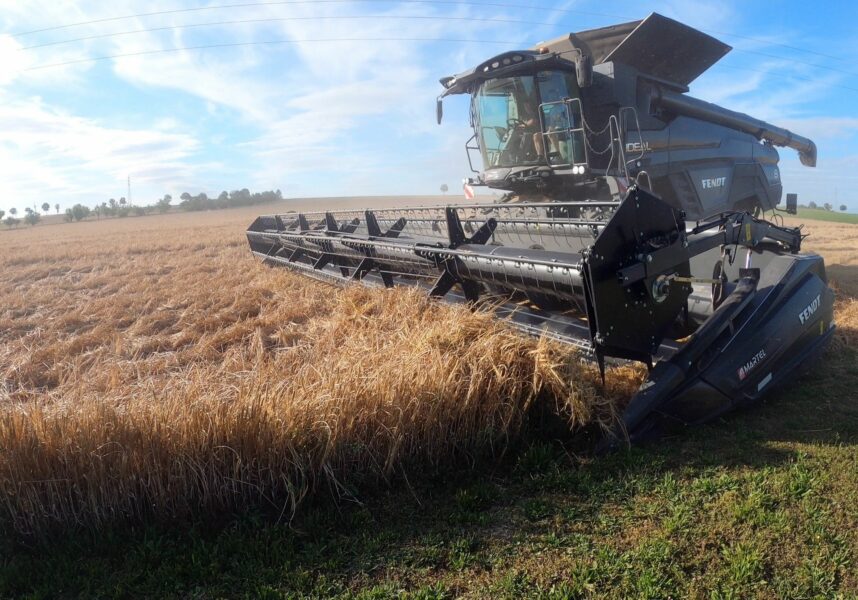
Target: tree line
x=242 y=197
x=31 y=215
x=826 y=206
x=122 y=208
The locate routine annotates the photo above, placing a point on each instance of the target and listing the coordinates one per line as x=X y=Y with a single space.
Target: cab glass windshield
x=529 y=120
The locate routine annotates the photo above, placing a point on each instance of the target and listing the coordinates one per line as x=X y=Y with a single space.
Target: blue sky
x=356 y=117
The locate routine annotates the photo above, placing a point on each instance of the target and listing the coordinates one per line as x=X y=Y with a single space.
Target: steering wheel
x=511 y=125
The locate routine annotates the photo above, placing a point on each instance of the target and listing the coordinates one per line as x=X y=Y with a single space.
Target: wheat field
x=151 y=367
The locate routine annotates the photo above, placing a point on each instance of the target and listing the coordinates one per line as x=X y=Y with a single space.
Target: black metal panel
x=669 y=50
x=627 y=320
x=755 y=341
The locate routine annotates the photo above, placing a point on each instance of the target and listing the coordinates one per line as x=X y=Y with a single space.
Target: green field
x=820 y=214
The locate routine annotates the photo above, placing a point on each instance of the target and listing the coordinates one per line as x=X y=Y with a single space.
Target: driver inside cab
x=555 y=118
x=528 y=136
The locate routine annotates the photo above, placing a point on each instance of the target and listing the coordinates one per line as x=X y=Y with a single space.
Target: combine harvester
x=631 y=228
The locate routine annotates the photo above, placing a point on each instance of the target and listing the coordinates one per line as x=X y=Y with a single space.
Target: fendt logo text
x=715 y=182
x=804 y=315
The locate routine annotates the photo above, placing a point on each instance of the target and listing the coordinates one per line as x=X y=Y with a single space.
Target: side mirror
x=584 y=70
x=792 y=204
x=439 y=110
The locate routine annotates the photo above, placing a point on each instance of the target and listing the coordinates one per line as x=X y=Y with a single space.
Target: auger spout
x=706 y=111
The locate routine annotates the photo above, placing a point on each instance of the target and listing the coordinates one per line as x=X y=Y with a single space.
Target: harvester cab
x=585 y=115
x=527 y=117
x=635 y=230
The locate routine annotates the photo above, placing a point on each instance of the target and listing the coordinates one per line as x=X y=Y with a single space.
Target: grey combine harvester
x=631 y=228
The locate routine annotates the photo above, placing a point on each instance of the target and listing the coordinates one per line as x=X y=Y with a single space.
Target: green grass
x=820 y=214
x=763 y=503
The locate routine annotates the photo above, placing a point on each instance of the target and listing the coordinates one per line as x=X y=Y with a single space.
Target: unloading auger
x=721 y=305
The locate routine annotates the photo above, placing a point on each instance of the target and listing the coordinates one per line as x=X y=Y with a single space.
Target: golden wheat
x=146 y=372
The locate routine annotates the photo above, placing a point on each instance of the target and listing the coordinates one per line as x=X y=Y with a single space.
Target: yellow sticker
x=821 y=327
x=747 y=232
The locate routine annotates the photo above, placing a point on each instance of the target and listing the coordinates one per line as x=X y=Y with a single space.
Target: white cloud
x=723 y=86
x=824 y=128
x=306 y=100
x=12 y=59
x=44 y=150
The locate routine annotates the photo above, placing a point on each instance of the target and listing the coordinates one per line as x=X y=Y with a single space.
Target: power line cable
x=799 y=62
x=259 y=43
x=424 y=2
x=279 y=19
x=786 y=76
x=770 y=43
x=299 y=2
x=371 y=17
x=343 y=39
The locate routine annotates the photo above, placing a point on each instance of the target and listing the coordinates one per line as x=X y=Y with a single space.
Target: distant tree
x=164 y=203
x=827 y=206
x=444 y=188
x=78 y=212
x=240 y=197
x=13 y=211
x=812 y=205
x=199 y=202
x=109 y=209
x=57 y=206
x=11 y=221
x=32 y=217
x=140 y=210
x=842 y=208
x=122 y=201
x=69 y=216
x=235 y=198
x=46 y=207
x=2 y=214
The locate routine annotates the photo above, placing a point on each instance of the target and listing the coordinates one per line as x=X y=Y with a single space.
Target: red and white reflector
x=469 y=191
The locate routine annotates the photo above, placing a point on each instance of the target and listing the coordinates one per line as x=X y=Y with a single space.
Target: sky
x=354 y=116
